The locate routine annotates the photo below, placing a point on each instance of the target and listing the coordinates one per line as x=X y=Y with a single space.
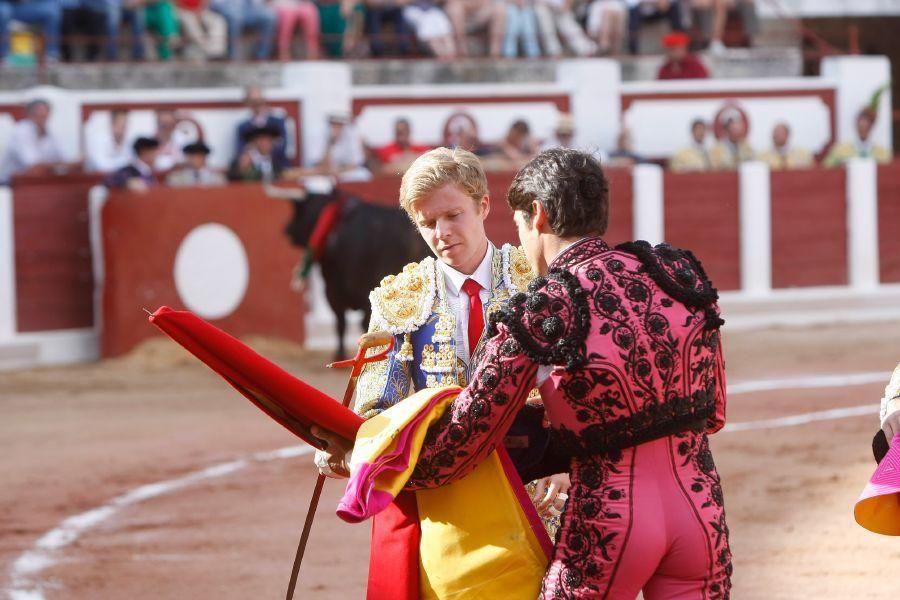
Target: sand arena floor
x=86 y=441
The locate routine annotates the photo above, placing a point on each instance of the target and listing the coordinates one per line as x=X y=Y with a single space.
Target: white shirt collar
x=483 y=273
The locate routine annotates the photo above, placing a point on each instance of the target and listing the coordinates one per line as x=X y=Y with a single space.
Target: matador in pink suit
x=624 y=345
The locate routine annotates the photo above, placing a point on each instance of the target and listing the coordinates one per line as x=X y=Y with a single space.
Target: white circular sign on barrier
x=211 y=271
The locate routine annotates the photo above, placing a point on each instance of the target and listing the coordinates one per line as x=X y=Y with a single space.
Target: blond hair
x=439 y=167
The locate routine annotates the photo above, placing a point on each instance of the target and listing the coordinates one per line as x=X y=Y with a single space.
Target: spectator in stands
x=137 y=176
x=341 y=23
x=695 y=157
x=641 y=10
x=557 y=20
x=195 y=171
x=46 y=15
x=343 y=157
x=399 y=154
x=521 y=28
x=205 y=32
x=162 y=20
x=461 y=131
x=107 y=153
x=397 y=40
x=242 y=15
x=31 y=149
x=782 y=155
x=432 y=27
x=469 y=16
x=82 y=19
x=734 y=149
x=564 y=133
x=519 y=146
x=680 y=63
x=862 y=147
x=606 y=25
x=171 y=140
x=257 y=161
x=262 y=115
x=710 y=16
x=124 y=11
x=564 y=137
x=292 y=13
x=624 y=154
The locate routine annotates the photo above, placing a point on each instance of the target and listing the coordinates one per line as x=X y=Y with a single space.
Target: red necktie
x=476 y=314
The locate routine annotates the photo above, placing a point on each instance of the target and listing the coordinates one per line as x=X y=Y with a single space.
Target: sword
x=369 y=340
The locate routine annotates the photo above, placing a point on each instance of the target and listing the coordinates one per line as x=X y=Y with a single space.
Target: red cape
x=290 y=401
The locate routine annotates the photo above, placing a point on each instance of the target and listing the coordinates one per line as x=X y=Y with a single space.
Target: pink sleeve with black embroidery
x=717 y=421
x=479 y=417
x=548 y=326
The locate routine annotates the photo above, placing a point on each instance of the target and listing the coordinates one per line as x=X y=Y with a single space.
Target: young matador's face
x=452 y=224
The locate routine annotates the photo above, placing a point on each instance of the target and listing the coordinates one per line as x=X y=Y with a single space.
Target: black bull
x=367 y=243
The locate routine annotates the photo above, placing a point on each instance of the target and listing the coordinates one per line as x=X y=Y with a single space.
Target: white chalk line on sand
x=24 y=586
x=805 y=418
x=806 y=383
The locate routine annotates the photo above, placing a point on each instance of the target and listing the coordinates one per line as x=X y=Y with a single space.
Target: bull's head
x=306 y=214
x=308 y=202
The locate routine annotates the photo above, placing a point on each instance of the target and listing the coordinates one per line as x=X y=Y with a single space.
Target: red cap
x=676 y=39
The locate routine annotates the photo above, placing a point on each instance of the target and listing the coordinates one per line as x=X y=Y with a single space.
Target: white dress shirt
x=458 y=301
x=105 y=155
x=26 y=148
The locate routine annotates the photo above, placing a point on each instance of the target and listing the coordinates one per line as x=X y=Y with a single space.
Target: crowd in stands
x=179 y=158
x=446 y=29
x=707 y=154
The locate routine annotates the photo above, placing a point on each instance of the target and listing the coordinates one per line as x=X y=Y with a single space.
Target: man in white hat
x=564 y=137
x=563 y=134
x=344 y=157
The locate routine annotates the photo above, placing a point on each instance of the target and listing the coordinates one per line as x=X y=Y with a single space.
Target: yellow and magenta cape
x=481 y=537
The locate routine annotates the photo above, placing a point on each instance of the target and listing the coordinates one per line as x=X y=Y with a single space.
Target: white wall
x=7 y=267
x=659 y=125
x=828 y=8
x=856 y=79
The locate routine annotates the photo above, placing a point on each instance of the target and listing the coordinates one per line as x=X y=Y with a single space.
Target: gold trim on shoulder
x=403 y=302
x=517 y=274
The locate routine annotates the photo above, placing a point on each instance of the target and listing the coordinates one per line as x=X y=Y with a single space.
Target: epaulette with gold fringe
x=403 y=302
x=517 y=274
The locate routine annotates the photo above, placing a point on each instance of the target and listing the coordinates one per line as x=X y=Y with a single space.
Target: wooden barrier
x=54 y=278
x=701 y=214
x=889 y=221
x=142 y=234
x=809 y=228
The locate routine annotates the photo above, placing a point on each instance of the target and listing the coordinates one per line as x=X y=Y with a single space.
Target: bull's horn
x=319 y=184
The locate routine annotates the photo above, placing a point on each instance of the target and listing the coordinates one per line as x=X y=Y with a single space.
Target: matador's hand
x=551 y=494
x=334 y=460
